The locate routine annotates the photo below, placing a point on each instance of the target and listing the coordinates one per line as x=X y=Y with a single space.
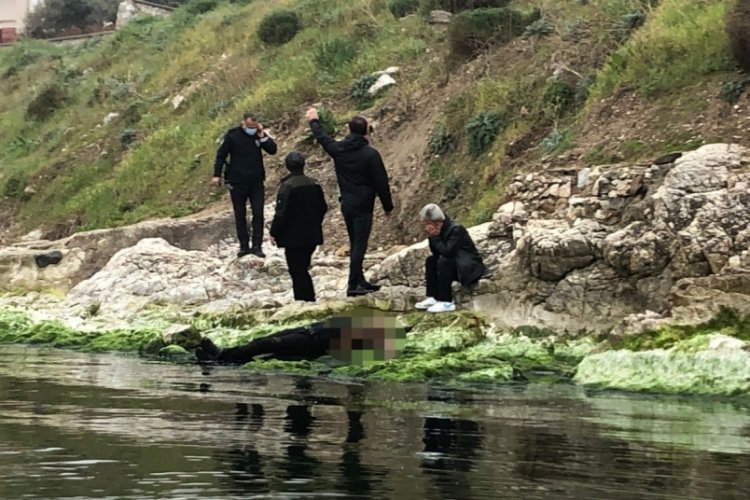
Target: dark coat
x=455 y=243
x=300 y=208
x=359 y=170
x=245 y=157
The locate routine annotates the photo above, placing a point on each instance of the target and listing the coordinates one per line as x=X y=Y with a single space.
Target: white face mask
x=251 y=131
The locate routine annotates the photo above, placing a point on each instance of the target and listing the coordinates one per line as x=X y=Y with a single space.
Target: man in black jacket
x=297 y=223
x=244 y=177
x=361 y=176
x=454 y=258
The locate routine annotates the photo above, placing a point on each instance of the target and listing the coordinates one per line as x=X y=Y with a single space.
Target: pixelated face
x=432 y=227
x=367 y=337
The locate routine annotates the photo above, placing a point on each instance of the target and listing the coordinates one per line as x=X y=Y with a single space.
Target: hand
x=312 y=114
x=431 y=231
x=216 y=181
x=261 y=132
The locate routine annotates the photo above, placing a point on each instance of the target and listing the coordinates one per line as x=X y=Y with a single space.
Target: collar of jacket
x=290 y=175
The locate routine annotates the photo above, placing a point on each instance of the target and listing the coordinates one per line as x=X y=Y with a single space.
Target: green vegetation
x=472 y=31
x=546 y=93
x=279 y=27
x=401 y=8
x=727 y=322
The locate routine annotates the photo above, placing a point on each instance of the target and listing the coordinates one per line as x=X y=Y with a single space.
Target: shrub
x=15 y=185
x=558 y=97
x=278 y=27
x=471 y=31
x=19 y=58
x=738 y=30
x=482 y=131
x=539 y=28
x=328 y=120
x=197 y=7
x=401 y=8
x=555 y=141
x=49 y=100
x=336 y=53
x=359 y=89
x=732 y=90
x=440 y=141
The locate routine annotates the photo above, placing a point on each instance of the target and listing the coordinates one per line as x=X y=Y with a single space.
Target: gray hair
x=431 y=212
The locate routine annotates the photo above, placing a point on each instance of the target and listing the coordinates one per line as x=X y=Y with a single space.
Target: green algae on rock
x=726 y=322
x=709 y=364
x=17 y=327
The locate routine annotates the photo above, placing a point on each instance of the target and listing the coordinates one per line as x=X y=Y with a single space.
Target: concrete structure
x=131 y=8
x=13 y=13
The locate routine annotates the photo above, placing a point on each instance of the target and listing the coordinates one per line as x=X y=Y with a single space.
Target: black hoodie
x=359 y=170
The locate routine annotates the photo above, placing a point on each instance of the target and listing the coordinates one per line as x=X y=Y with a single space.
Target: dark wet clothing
x=308 y=342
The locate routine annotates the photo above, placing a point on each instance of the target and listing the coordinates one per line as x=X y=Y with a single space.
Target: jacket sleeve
x=431 y=242
x=280 y=216
x=322 y=203
x=268 y=145
x=380 y=181
x=449 y=247
x=221 y=155
x=328 y=143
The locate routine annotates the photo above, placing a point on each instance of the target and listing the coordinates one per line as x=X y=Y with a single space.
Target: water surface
x=93 y=426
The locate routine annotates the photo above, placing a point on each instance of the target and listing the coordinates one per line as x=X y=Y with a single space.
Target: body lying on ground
x=340 y=337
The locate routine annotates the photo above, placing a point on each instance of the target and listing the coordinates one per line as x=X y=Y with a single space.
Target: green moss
x=726 y=322
x=720 y=372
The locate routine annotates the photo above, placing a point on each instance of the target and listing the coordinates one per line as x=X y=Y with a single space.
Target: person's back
x=361 y=176
x=298 y=224
x=306 y=208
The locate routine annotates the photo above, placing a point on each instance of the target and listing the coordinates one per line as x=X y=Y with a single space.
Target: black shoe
x=243 y=252
x=257 y=252
x=207 y=350
x=358 y=291
x=369 y=286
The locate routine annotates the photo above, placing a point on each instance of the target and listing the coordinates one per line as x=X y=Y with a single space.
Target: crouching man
x=454 y=258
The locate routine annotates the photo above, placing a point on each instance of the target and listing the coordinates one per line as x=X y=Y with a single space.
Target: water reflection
x=69 y=427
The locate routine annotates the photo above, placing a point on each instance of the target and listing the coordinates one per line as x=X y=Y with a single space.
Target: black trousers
x=358 y=226
x=298 y=262
x=240 y=193
x=290 y=345
x=440 y=272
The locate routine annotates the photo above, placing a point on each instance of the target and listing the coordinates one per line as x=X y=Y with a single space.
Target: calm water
x=82 y=426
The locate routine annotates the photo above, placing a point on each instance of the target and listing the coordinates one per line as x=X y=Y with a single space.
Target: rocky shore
x=633 y=277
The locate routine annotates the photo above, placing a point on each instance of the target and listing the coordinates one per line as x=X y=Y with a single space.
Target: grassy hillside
x=526 y=99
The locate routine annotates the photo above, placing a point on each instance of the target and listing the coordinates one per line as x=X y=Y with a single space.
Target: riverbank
x=457 y=349
x=631 y=277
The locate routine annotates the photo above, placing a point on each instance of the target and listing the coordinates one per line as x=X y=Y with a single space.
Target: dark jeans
x=440 y=272
x=298 y=262
x=240 y=193
x=358 y=226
